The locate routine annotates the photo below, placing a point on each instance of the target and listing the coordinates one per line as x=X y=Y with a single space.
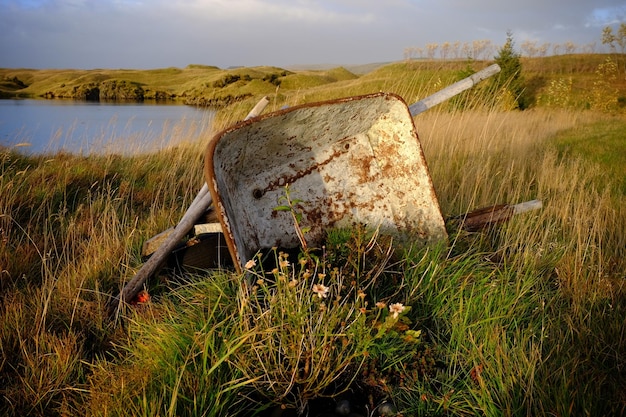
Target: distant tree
x=530 y=48
x=621 y=36
x=481 y=48
x=609 y=38
x=408 y=53
x=467 y=50
x=445 y=50
x=431 y=48
x=589 y=48
x=570 y=47
x=510 y=79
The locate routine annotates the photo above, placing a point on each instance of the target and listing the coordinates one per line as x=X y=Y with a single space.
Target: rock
x=343 y=408
x=386 y=408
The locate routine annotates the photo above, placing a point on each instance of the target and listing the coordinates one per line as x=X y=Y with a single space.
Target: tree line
x=485 y=49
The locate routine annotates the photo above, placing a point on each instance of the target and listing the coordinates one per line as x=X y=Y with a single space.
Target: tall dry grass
x=514 y=317
x=478 y=159
x=71 y=230
x=565 y=263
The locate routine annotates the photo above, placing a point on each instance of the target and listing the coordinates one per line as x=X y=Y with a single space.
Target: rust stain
x=361 y=167
x=290 y=179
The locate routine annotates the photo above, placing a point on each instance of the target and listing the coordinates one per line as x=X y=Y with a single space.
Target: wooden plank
x=208 y=219
x=200 y=229
x=151 y=245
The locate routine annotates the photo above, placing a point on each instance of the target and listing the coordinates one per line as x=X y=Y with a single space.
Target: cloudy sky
x=165 y=33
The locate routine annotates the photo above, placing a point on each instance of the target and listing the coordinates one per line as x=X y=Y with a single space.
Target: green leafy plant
x=604 y=94
x=291 y=205
x=312 y=330
x=314 y=325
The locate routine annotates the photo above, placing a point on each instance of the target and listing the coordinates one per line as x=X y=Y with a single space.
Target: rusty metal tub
x=353 y=160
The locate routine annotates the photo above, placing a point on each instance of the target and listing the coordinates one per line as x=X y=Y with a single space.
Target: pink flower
x=321 y=290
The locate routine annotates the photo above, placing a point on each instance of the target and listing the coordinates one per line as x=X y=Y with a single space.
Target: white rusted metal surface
x=354 y=160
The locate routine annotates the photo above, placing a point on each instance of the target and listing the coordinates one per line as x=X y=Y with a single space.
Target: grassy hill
x=185 y=84
x=565 y=81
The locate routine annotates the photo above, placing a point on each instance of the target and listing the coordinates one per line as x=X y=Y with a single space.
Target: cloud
x=161 y=33
x=605 y=16
x=237 y=11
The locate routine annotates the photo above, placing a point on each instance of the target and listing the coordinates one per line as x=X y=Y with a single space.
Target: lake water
x=40 y=126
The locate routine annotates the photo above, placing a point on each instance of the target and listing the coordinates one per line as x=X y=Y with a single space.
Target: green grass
x=601 y=143
x=521 y=319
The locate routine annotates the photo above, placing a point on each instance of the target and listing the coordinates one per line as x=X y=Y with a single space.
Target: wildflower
x=283 y=263
x=395 y=309
x=321 y=275
x=361 y=294
x=293 y=283
x=260 y=282
x=321 y=290
x=381 y=305
x=250 y=264
x=141 y=298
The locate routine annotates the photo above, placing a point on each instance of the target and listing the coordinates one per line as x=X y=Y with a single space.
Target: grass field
x=522 y=319
x=584 y=80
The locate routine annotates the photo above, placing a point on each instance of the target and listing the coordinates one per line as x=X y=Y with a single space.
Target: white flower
x=321 y=290
x=395 y=309
x=250 y=264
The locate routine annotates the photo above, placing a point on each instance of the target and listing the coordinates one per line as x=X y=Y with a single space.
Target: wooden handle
x=452 y=90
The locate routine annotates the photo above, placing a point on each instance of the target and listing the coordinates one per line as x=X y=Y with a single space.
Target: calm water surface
x=38 y=126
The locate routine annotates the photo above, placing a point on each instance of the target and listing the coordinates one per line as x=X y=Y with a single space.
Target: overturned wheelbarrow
x=353 y=160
